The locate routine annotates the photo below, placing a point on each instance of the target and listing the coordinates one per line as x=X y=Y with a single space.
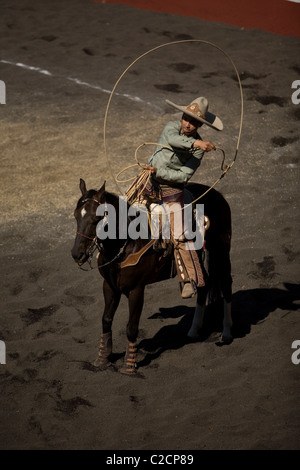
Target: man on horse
x=177 y=156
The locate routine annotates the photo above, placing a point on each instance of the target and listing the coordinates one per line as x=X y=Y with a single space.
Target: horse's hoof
x=128 y=370
x=102 y=364
x=193 y=334
x=131 y=372
x=226 y=339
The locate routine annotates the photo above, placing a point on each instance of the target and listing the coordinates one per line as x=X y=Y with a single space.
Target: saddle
x=164 y=247
x=160 y=245
x=147 y=194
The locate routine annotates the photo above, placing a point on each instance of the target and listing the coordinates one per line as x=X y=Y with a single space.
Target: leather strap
x=134 y=258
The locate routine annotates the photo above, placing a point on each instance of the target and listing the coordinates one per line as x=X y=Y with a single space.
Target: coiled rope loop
x=226 y=168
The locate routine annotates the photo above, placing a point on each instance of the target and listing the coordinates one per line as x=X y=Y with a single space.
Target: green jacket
x=179 y=164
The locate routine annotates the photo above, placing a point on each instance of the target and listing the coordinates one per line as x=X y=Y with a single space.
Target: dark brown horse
x=128 y=265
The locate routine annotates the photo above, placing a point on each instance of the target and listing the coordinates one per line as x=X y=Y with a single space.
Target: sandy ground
x=189 y=395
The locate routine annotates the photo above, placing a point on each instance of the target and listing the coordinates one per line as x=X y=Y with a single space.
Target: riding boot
x=189 y=290
x=105 y=350
x=189 y=271
x=129 y=366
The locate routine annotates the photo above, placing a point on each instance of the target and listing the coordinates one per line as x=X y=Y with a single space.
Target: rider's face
x=189 y=125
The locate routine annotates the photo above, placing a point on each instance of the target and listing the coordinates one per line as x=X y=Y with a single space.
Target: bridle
x=98 y=245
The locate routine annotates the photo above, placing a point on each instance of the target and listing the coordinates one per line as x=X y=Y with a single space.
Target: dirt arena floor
x=59 y=61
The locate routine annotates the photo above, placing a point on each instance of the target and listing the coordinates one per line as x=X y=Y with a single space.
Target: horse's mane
x=112 y=199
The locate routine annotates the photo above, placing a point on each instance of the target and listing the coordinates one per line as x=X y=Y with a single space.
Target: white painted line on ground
x=75 y=80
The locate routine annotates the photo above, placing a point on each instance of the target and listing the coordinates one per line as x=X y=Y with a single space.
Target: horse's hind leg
x=112 y=300
x=198 y=318
x=135 y=301
x=227 y=323
x=227 y=293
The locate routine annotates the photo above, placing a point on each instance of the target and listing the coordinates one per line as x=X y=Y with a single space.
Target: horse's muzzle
x=79 y=257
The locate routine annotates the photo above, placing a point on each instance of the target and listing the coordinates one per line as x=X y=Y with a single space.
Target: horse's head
x=85 y=215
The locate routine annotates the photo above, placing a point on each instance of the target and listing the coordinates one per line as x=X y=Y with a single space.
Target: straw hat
x=198 y=109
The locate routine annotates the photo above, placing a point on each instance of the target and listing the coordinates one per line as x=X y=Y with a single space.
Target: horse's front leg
x=135 y=302
x=111 y=299
x=198 y=319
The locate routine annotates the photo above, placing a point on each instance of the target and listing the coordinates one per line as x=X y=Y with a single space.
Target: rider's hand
x=151 y=168
x=205 y=145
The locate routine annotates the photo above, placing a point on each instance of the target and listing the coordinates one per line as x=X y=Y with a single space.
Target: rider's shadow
x=249 y=307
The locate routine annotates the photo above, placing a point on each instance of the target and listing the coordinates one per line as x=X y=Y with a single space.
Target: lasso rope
x=146 y=173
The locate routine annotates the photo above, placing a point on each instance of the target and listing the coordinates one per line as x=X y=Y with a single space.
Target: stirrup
x=189 y=290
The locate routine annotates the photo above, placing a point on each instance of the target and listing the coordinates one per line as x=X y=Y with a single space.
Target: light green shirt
x=178 y=163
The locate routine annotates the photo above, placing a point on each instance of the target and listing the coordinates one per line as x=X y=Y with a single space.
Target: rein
x=96 y=245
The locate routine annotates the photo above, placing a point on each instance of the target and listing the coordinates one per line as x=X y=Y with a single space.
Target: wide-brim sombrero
x=198 y=109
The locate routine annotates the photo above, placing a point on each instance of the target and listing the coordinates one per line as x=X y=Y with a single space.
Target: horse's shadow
x=249 y=307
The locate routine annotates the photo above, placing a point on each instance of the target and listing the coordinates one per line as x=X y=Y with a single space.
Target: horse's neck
x=114 y=245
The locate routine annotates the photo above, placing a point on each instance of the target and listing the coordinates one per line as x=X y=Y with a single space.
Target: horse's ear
x=82 y=186
x=102 y=189
x=100 y=193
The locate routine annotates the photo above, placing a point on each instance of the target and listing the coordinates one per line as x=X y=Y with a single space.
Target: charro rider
x=172 y=164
